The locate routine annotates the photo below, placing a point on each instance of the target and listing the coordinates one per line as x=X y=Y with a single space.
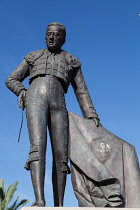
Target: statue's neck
x=56 y=51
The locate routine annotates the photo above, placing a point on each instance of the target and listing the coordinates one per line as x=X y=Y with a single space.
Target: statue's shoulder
x=72 y=60
x=32 y=56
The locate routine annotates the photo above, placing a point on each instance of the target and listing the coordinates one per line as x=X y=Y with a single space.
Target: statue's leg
x=59 y=139
x=37 y=170
x=59 y=183
x=36 y=112
x=59 y=136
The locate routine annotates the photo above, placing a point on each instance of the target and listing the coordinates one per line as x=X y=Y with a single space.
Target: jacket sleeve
x=82 y=95
x=14 y=80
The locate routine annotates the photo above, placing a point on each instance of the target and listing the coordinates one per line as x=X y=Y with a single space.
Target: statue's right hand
x=21 y=99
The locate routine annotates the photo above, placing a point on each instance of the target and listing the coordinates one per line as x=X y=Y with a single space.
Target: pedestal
x=75 y=208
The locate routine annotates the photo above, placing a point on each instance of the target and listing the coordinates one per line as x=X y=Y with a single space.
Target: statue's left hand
x=21 y=99
x=96 y=121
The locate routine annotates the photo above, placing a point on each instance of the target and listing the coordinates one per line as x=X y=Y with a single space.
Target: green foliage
x=6 y=196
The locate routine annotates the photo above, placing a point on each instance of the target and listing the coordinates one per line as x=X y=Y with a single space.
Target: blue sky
x=105 y=36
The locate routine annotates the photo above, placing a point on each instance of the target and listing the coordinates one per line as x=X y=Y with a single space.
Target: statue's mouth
x=51 y=42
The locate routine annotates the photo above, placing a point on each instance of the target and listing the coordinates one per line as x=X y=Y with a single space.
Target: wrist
x=22 y=90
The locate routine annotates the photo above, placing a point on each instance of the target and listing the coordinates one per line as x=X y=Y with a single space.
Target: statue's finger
x=96 y=122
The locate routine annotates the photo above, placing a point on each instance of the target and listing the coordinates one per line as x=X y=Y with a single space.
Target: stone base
x=74 y=208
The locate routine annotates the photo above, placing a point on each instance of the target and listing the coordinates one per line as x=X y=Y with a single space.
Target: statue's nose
x=52 y=36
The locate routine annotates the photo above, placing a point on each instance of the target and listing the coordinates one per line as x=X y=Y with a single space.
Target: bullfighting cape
x=104 y=168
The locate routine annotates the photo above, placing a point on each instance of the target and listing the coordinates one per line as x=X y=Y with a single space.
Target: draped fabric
x=105 y=170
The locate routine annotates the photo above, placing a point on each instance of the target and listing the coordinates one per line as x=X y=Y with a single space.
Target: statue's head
x=55 y=36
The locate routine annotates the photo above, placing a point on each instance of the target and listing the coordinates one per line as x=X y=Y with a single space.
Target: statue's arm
x=83 y=96
x=14 y=80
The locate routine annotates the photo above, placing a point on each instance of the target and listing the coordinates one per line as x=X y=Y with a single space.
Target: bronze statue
x=51 y=71
x=105 y=170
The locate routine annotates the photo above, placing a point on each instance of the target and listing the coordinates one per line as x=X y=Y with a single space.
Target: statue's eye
x=49 y=33
x=56 y=34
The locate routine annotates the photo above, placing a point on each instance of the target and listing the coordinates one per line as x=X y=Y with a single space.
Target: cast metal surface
x=51 y=71
x=105 y=171
x=103 y=165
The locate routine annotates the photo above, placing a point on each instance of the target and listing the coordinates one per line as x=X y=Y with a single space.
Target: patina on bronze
x=105 y=170
x=51 y=71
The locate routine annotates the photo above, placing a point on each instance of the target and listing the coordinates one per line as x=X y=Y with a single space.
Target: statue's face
x=54 y=38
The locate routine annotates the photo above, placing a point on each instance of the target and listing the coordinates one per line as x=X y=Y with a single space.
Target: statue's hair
x=63 y=28
x=57 y=24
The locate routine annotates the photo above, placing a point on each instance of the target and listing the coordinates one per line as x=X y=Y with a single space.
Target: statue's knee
x=36 y=153
x=61 y=165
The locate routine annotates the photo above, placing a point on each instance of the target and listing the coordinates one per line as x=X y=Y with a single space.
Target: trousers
x=45 y=106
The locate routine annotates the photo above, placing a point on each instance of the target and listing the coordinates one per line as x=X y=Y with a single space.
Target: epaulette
x=32 y=56
x=72 y=61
